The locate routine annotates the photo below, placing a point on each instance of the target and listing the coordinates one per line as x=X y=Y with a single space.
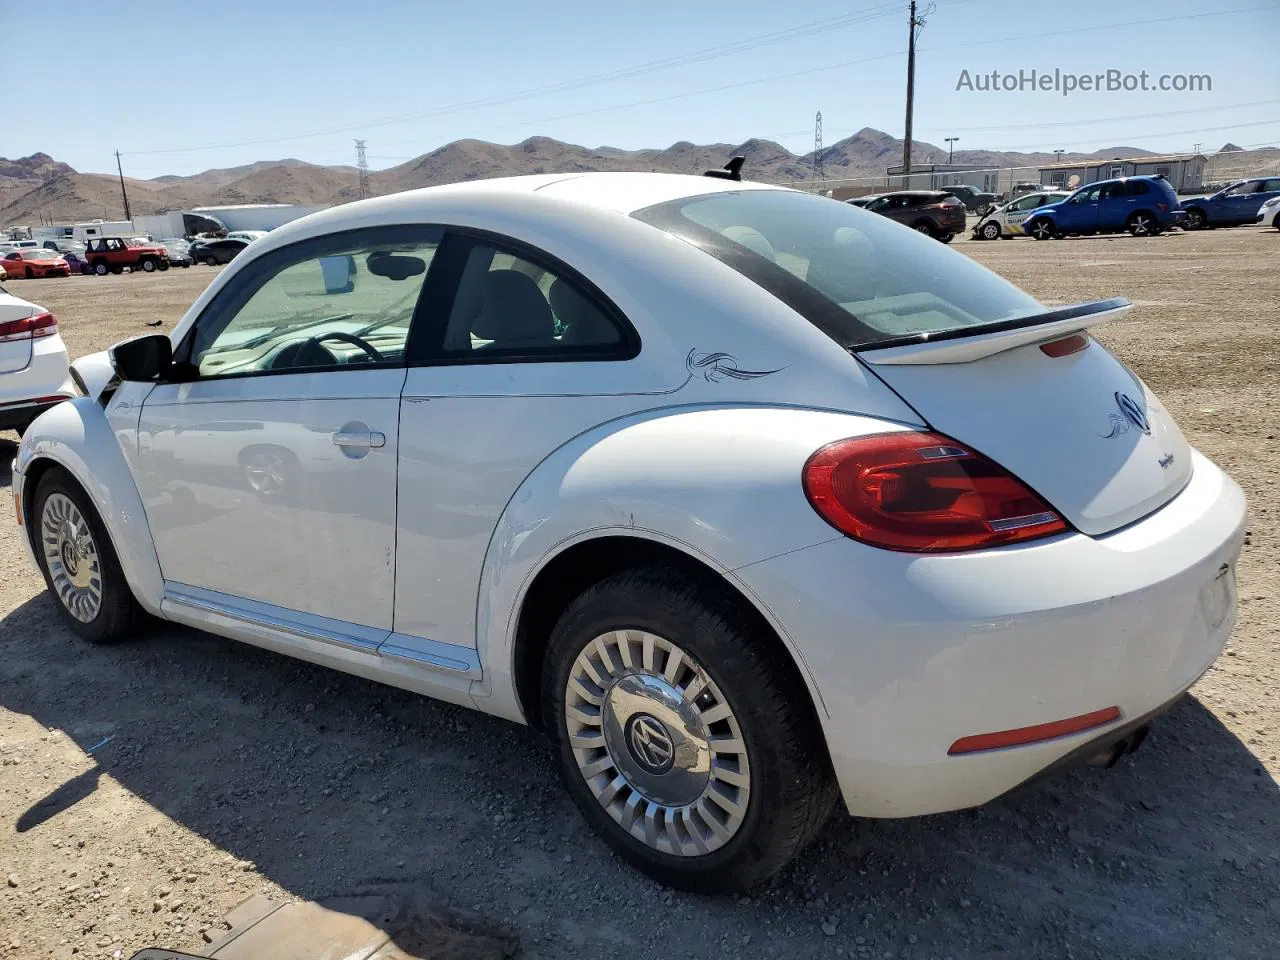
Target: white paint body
x=1010 y=217
x=30 y=368
x=410 y=565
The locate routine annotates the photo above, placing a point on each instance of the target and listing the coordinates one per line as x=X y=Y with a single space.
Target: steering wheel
x=310 y=353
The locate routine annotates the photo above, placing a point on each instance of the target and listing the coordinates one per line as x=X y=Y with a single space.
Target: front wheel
x=162 y=265
x=1196 y=220
x=1143 y=225
x=79 y=564
x=148 y=266
x=31 y=275
x=946 y=237
x=990 y=230
x=683 y=733
x=1042 y=230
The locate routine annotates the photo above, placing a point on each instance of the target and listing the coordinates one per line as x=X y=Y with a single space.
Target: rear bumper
x=910 y=653
x=27 y=393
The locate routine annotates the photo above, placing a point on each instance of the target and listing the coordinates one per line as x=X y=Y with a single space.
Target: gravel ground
x=232 y=771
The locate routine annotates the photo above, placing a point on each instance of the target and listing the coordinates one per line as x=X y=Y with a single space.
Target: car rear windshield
x=862 y=279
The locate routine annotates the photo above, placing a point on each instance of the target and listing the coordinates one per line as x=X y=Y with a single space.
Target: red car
x=34 y=262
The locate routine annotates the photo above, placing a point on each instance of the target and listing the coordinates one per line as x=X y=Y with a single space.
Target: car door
x=1116 y=202
x=531 y=356
x=268 y=471
x=1019 y=210
x=1080 y=213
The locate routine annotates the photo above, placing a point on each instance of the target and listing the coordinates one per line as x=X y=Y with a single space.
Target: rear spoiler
x=960 y=346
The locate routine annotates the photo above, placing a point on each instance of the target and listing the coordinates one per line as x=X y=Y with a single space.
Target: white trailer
x=84 y=232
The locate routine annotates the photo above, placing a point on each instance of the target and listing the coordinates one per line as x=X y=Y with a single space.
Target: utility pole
x=951 y=149
x=818 y=172
x=1057 y=155
x=911 y=93
x=362 y=164
x=123 y=194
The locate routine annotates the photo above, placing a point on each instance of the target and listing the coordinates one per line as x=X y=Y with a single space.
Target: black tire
x=149 y=265
x=1042 y=229
x=990 y=231
x=792 y=785
x=100 y=268
x=1196 y=219
x=945 y=237
x=210 y=262
x=1142 y=224
x=925 y=227
x=117 y=270
x=119 y=617
x=162 y=265
x=30 y=274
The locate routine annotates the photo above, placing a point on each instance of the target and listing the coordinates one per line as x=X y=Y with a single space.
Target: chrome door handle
x=359 y=439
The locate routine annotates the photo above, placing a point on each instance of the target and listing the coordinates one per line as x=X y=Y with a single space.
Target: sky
x=185 y=87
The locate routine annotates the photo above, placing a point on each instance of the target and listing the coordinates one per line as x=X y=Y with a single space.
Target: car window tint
x=1271 y=185
x=1138 y=187
x=351 y=307
x=507 y=305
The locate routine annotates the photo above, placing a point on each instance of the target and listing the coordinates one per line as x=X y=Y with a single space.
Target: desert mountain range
x=38 y=187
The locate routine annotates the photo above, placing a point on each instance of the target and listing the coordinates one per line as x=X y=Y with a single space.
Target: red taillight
x=923 y=493
x=1065 y=347
x=29 y=328
x=1037 y=734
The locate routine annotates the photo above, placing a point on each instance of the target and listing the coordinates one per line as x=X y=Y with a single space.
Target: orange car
x=32 y=263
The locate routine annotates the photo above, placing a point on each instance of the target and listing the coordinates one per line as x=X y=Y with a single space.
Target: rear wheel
x=1142 y=224
x=990 y=230
x=1196 y=220
x=79 y=563
x=682 y=731
x=923 y=226
x=210 y=262
x=1042 y=230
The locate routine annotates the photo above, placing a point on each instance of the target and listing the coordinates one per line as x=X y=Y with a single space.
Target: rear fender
x=721 y=484
x=78 y=437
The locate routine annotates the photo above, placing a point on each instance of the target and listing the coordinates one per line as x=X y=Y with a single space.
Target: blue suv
x=1142 y=205
x=1237 y=204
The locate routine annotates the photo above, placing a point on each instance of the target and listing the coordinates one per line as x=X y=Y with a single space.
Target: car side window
x=509 y=306
x=1137 y=188
x=1271 y=185
x=345 y=300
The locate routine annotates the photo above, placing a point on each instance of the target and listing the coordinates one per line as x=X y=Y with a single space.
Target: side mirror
x=142 y=359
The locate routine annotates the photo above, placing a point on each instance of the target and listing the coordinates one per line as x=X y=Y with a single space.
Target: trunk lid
x=15 y=353
x=1080 y=428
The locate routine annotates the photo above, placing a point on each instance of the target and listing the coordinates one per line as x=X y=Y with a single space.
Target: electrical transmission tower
x=818 y=172
x=362 y=165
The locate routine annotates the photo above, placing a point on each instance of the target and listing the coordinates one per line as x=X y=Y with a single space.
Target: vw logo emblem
x=650 y=744
x=1133 y=412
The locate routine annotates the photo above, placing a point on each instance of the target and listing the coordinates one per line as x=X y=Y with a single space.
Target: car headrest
x=513 y=309
x=582 y=319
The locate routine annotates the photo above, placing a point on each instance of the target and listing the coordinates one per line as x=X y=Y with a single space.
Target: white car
x=33 y=363
x=1269 y=213
x=1007 y=220
x=749 y=498
x=247 y=235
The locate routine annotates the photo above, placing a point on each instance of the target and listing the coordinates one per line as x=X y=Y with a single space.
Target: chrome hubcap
x=72 y=557
x=657 y=743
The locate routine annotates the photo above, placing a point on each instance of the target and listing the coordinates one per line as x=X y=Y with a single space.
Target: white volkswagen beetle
x=749 y=498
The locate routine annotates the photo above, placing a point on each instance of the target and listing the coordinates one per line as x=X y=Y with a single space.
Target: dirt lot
x=234 y=771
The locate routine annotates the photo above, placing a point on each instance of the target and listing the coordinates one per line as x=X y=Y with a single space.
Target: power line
x=626 y=73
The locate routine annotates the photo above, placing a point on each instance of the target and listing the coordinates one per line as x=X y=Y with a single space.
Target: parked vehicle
x=8 y=246
x=933 y=212
x=1029 y=186
x=35 y=262
x=1270 y=213
x=732 y=574
x=113 y=254
x=860 y=201
x=1007 y=220
x=64 y=245
x=175 y=243
x=1144 y=206
x=978 y=201
x=33 y=362
x=77 y=263
x=247 y=235
x=1237 y=204
x=214 y=252
x=4 y=274
x=178 y=256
